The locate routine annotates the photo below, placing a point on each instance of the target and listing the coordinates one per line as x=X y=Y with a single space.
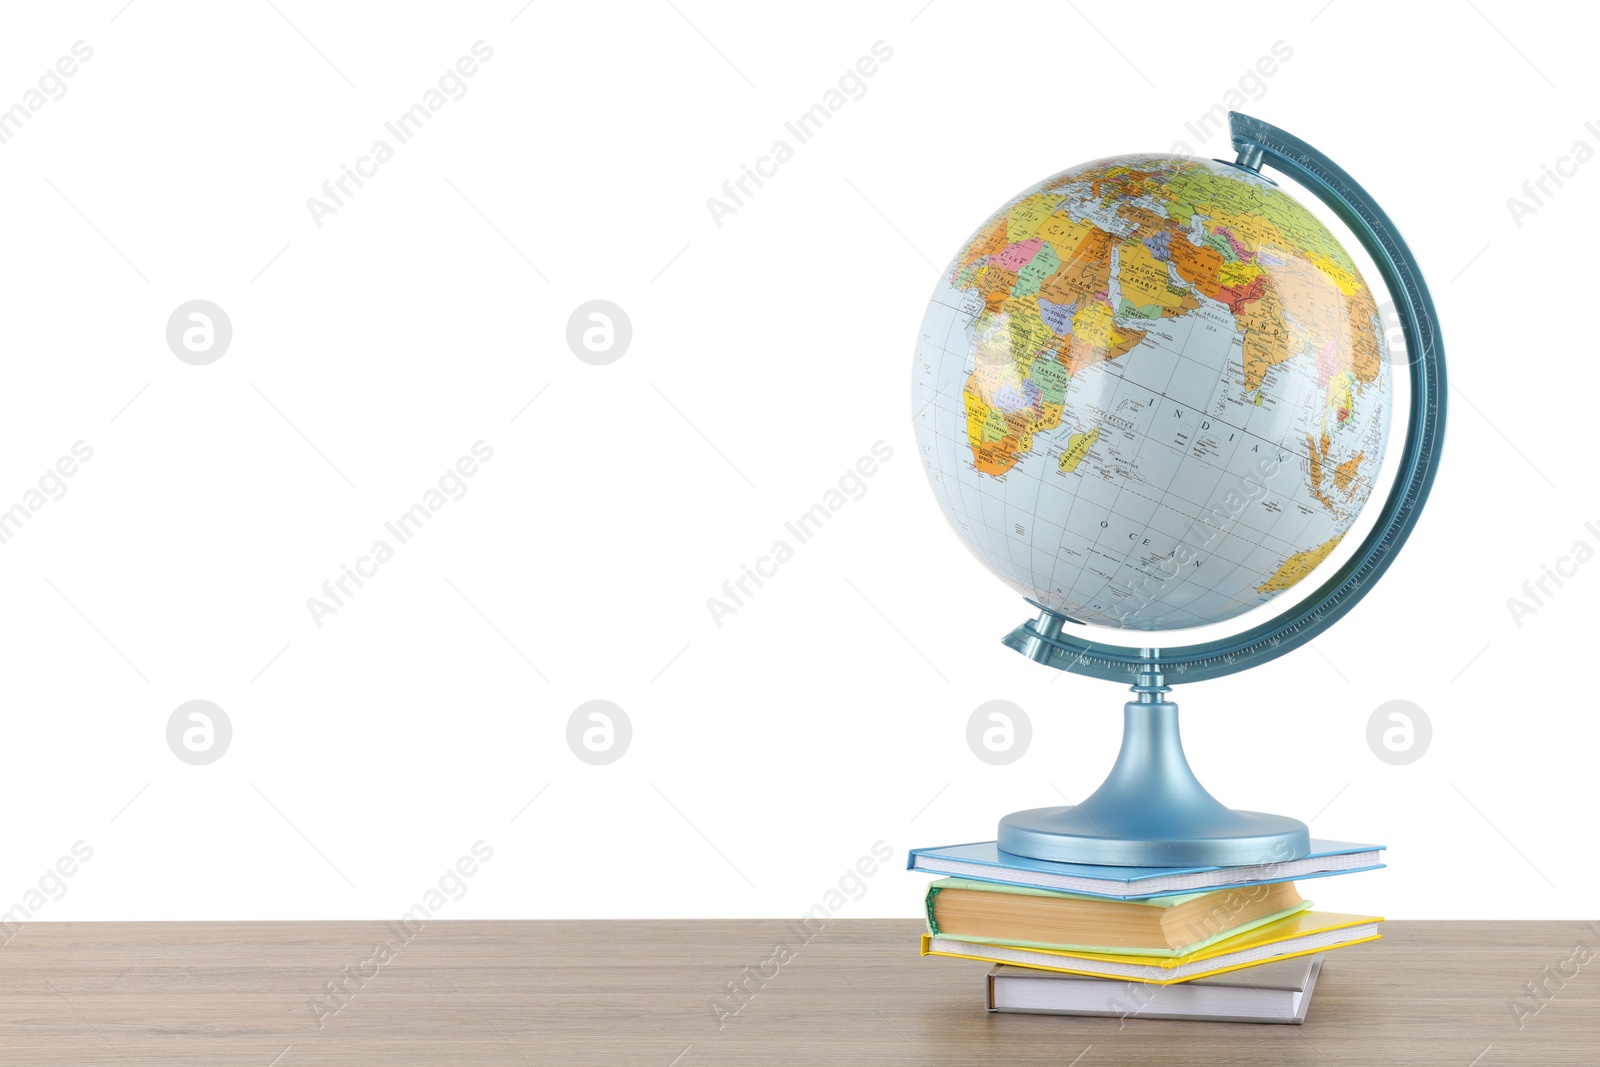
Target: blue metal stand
x=1151 y=811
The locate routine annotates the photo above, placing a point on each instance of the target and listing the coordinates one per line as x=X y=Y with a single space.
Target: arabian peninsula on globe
x=1152 y=392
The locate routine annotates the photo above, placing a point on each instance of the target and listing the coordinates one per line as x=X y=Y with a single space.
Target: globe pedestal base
x=1151 y=811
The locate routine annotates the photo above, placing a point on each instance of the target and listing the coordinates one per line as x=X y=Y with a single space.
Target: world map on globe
x=1151 y=392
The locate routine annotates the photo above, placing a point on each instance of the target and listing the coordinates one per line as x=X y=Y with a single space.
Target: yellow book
x=1299 y=934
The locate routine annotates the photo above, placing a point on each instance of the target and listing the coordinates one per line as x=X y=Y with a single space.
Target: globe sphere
x=1152 y=392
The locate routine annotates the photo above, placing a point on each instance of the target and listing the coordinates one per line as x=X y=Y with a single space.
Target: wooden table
x=640 y=994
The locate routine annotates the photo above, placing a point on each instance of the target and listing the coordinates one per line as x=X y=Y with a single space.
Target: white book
x=1278 y=992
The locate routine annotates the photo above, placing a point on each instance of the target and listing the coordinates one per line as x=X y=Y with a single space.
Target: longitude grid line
x=1072 y=503
x=1113 y=288
x=1151 y=394
x=1144 y=440
x=1160 y=507
x=1040 y=485
x=1066 y=522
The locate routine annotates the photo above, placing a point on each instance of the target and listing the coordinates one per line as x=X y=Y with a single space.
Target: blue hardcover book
x=983 y=861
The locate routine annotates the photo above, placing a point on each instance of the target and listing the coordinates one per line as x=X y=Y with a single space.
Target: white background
x=768 y=354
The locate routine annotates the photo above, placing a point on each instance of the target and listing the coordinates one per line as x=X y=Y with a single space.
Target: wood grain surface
x=642 y=993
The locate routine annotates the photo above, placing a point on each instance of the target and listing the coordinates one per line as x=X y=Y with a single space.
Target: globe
x=1152 y=392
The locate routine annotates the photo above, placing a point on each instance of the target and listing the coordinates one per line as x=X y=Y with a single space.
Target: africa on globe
x=1152 y=392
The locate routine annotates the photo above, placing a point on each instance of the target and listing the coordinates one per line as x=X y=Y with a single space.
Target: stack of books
x=1234 y=944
